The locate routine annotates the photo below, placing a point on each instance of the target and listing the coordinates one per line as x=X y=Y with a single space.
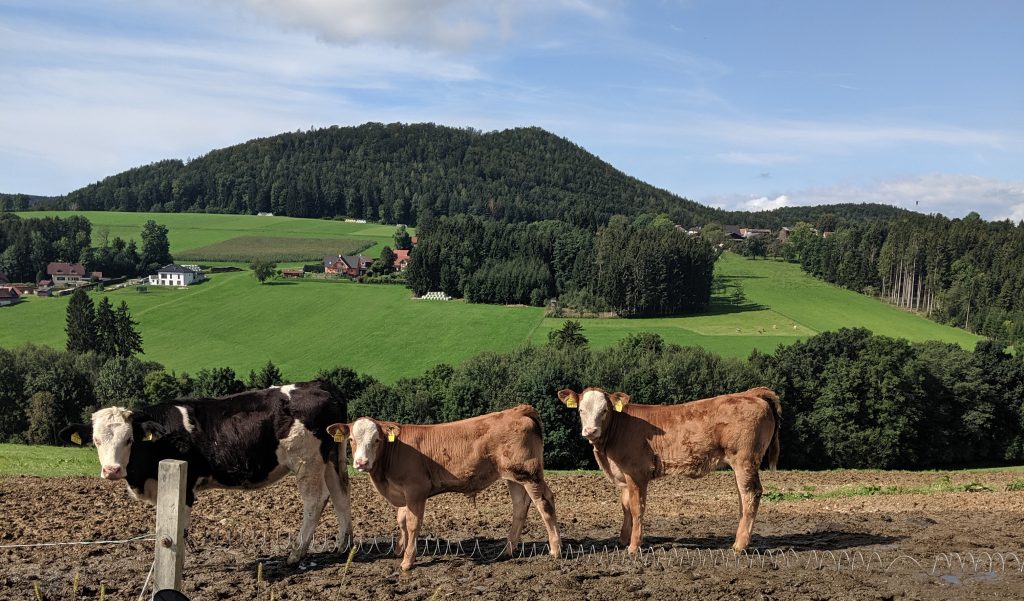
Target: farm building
x=352 y=266
x=750 y=232
x=65 y=273
x=177 y=275
x=8 y=296
x=401 y=260
x=292 y=273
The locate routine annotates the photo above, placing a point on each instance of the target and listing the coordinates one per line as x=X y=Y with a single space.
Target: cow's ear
x=392 y=433
x=152 y=431
x=619 y=400
x=569 y=397
x=76 y=434
x=339 y=431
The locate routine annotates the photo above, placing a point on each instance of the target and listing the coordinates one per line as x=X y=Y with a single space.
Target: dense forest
x=392 y=173
x=643 y=268
x=963 y=272
x=850 y=399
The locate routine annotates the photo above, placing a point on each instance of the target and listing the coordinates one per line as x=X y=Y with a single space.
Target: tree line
x=850 y=398
x=28 y=245
x=967 y=273
x=636 y=268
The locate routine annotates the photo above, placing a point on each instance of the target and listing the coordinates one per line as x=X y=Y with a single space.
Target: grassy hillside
x=307 y=325
x=781 y=304
x=188 y=231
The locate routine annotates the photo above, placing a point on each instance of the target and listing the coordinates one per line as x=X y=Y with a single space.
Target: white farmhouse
x=177 y=275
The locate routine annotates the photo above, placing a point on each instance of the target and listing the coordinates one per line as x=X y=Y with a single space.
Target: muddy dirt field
x=938 y=545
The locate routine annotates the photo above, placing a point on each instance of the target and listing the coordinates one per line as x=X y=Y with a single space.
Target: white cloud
x=449 y=25
x=763 y=203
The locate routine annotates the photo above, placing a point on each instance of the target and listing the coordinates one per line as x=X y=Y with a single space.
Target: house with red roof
x=401 y=260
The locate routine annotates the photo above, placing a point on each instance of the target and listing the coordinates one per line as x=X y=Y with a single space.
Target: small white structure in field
x=177 y=275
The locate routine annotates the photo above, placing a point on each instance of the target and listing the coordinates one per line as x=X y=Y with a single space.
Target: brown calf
x=409 y=464
x=634 y=444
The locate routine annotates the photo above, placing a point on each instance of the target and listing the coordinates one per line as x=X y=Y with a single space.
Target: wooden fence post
x=170 y=524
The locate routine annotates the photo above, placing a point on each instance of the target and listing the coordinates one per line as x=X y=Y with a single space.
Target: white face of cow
x=366 y=441
x=594 y=411
x=112 y=435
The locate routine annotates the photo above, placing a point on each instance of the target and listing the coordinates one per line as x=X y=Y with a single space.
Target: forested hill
x=392 y=172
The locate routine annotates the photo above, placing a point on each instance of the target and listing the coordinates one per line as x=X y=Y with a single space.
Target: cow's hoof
x=556 y=553
x=293 y=559
x=738 y=548
x=406 y=566
x=632 y=550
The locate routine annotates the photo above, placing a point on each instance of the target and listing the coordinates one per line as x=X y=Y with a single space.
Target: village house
x=65 y=273
x=177 y=275
x=733 y=232
x=8 y=296
x=401 y=260
x=750 y=232
x=352 y=266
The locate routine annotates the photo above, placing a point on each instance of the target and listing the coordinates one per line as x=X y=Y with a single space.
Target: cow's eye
x=128 y=442
x=97 y=441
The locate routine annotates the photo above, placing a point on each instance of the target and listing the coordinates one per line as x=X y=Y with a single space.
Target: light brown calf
x=409 y=464
x=634 y=444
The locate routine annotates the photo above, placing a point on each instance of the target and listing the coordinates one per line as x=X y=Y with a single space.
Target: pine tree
x=81 y=323
x=106 y=329
x=127 y=340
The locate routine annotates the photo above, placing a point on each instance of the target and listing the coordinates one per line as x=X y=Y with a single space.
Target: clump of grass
x=944 y=484
x=1015 y=486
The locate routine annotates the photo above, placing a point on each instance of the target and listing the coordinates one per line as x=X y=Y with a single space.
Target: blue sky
x=743 y=105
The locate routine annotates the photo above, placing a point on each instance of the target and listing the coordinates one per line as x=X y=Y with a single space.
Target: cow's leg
x=637 y=504
x=314 y=497
x=413 y=520
x=338 y=489
x=402 y=525
x=520 y=507
x=627 y=518
x=541 y=496
x=748 y=483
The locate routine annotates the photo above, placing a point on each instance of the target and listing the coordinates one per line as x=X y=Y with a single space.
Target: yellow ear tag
x=392 y=434
x=338 y=437
x=618 y=406
x=571 y=403
x=76 y=438
x=149 y=436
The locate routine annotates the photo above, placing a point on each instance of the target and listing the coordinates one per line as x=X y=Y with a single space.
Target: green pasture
x=300 y=325
x=40 y=460
x=188 y=231
x=306 y=325
x=780 y=305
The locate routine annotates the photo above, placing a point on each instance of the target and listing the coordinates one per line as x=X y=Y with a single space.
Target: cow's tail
x=774 y=447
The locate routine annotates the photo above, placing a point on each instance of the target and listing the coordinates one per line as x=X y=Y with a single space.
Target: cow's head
x=367 y=438
x=113 y=431
x=596 y=407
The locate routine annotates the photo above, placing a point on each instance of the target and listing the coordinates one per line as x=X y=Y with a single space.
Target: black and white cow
x=243 y=441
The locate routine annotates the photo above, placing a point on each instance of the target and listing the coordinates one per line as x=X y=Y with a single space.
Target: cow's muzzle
x=360 y=464
x=112 y=472
x=590 y=433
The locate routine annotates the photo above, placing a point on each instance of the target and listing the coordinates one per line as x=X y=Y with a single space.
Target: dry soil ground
x=899 y=546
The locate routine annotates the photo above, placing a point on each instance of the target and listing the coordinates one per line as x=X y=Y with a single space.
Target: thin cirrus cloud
x=446 y=25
